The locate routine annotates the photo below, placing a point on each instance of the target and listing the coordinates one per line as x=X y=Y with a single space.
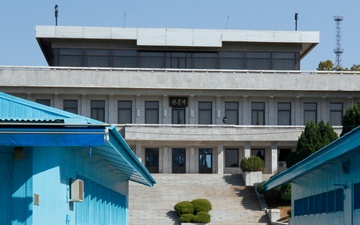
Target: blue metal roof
x=53 y=126
x=344 y=146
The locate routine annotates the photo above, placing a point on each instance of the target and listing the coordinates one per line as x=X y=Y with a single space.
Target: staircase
x=232 y=202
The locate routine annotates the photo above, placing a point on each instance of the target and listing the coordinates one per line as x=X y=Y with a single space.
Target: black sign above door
x=178 y=101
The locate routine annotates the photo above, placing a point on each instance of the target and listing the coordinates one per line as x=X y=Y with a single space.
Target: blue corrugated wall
x=102 y=206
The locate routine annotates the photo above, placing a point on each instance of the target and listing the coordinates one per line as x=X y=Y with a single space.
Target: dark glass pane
x=71 y=106
x=231 y=158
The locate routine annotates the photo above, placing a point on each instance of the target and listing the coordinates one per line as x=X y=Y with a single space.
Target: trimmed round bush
x=201 y=205
x=184 y=207
x=186 y=218
x=253 y=163
x=201 y=217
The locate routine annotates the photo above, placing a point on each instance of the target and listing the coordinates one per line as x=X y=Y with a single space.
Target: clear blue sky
x=18 y=19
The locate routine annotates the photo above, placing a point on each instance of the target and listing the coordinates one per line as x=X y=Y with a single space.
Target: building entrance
x=178 y=160
x=205 y=160
x=178 y=115
x=152 y=159
x=5 y=180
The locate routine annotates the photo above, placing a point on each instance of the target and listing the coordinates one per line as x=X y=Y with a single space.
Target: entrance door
x=5 y=196
x=152 y=159
x=178 y=115
x=205 y=160
x=178 y=160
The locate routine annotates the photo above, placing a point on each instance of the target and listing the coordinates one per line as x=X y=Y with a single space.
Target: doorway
x=205 y=160
x=178 y=160
x=152 y=159
x=178 y=116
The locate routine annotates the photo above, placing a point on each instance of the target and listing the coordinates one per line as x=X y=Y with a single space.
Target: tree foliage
x=314 y=137
x=328 y=65
x=351 y=119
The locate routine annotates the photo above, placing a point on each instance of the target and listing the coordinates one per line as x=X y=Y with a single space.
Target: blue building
x=60 y=168
x=326 y=185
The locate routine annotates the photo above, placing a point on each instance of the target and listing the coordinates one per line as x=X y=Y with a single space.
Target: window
x=124 y=112
x=231 y=158
x=205 y=112
x=152 y=59
x=283 y=154
x=71 y=57
x=259 y=153
x=336 y=114
x=97 y=58
x=152 y=112
x=178 y=116
x=71 y=106
x=357 y=196
x=124 y=58
x=310 y=112
x=44 y=101
x=98 y=110
x=257 y=113
x=232 y=112
x=284 y=113
x=205 y=60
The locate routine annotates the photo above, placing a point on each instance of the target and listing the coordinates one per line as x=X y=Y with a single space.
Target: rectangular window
x=259 y=153
x=97 y=58
x=310 y=112
x=231 y=157
x=152 y=59
x=71 y=57
x=124 y=58
x=336 y=114
x=205 y=112
x=44 y=101
x=284 y=113
x=152 y=112
x=339 y=200
x=257 y=113
x=205 y=60
x=71 y=106
x=124 y=112
x=232 y=112
x=98 y=110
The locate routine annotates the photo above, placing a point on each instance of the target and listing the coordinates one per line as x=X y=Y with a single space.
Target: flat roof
x=178 y=37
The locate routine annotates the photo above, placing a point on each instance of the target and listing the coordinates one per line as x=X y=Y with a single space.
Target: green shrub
x=285 y=192
x=186 y=218
x=201 y=205
x=184 y=207
x=253 y=163
x=201 y=217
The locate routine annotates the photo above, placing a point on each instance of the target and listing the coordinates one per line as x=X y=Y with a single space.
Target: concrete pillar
x=272 y=118
x=220 y=159
x=246 y=111
x=323 y=110
x=57 y=103
x=84 y=106
x=166 y=110
x=298 y=111
x=218 y=110
x=166 y=160
x=138 y=110
x=192 y=106
x=193 y=161
x=274 y=158
x=138 y=151
x=112 y=112
x=247 y=150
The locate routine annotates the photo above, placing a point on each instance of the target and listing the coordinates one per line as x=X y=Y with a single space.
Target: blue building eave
x=344 y=146
x=26 y=123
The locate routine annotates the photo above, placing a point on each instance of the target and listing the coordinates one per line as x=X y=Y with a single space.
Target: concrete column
x=57 y=103
x=272 y=118
x=247 y=150
x=112 y=111
x=274 y=158
x=323 y=110
x=298 y=111
x=246 y=111
x=166 y=110
x=220 y=159
x=193 y=161
x=192 y=106
x=166 y=161
x=139 y=152
x=218 y=110
x=139 y=110
x=84 y=106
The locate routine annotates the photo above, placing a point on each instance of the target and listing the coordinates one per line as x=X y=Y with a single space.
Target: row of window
x=128 y=58
x=205 y=108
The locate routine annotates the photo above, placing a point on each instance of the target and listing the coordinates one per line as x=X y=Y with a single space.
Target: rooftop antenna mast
x=56 y=14
x=296 y=20
x=338 y=50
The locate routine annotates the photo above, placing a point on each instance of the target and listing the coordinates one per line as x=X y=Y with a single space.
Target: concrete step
x=232 y=202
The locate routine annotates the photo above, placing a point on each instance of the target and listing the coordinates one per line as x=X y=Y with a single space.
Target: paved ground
x=232 y=202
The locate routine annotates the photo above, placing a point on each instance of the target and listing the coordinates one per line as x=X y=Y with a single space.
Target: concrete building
x=326 y=186
x=188 y=100
x=61 y=168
